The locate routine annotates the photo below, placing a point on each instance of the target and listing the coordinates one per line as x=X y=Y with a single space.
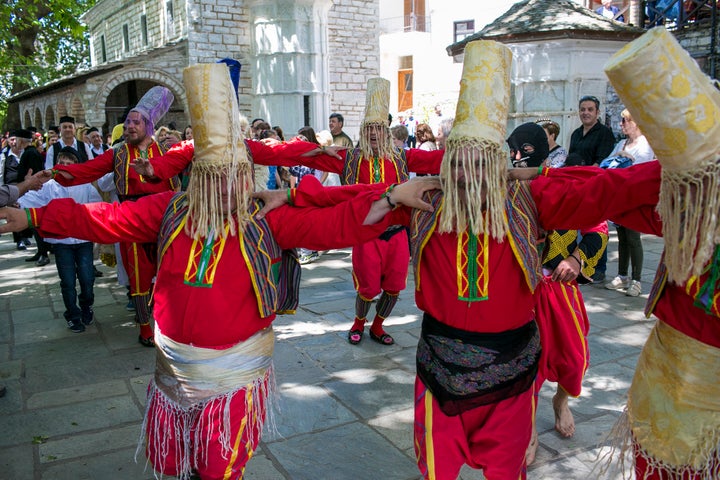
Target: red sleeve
x=327 y=228
x=174 y=161
x=289 y=154
x=582 y=197
x=423 y=161
x=86 y=172
x=311 y=193
x=104 y=222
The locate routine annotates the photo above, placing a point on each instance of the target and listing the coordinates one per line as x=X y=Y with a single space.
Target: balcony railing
x=680 y=13
x=406 y=23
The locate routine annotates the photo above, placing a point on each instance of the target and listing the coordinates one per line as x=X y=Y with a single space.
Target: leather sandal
x=355 y=336
x=383 y=339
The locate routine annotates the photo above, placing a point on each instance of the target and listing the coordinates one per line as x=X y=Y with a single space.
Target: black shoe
x=21 y=245
x=44 y=260
x=146 y=342
x=76 y=326
x=3 y=389
x=34 y=258
x=98 y=273
x=88 y=316
x=27 y=242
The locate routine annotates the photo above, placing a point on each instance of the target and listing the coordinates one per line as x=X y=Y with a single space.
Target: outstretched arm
x=96 y=222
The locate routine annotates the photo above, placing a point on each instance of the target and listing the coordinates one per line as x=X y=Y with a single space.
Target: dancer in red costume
x=138 y=259
x=380 y=266
x=221 y=278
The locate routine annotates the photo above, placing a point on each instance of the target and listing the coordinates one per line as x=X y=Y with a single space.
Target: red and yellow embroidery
x=203 y=260
x=472 y=267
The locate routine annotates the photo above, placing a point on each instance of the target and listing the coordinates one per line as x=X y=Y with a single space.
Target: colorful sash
x=464 y=370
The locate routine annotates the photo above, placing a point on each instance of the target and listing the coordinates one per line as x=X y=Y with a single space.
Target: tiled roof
x=530 y=20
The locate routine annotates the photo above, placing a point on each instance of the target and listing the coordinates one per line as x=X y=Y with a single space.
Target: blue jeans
x=75 y=262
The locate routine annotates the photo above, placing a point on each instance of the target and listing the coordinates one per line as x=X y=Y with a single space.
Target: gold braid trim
x=481 y=161
x=689 y=202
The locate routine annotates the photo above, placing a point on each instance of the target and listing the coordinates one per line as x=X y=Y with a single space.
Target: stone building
x=301 y=59
x=559 y=50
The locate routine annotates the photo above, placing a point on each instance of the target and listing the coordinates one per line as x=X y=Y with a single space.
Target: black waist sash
x=464 y=370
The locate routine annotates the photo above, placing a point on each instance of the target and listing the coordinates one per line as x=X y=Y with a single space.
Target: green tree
x=43 y=40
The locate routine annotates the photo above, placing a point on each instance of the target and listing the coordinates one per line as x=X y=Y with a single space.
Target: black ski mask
x=531 y=141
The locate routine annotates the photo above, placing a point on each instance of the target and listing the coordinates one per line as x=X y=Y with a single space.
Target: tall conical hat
x=377 y=109
x=154 y=105
x=678 y=109
x=220 y=164
x=475 y=143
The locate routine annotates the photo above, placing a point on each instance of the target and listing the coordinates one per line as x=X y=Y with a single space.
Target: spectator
x=590 y=144
x=67 y=139
x=73 y=257
x=411 y=125
x=20 y=140
x=442 y=132
x=400 y=135
x=187 y=133
x=630 y=250
x=340 y=138
x=425 y=137
x=97 y=147
x=608 y=10
x=558 y=154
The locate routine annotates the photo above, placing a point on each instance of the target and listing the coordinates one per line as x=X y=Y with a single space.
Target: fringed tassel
x=624 y=450
x=483 y=164
x=689 y=201
x=619 y=457
x=210 y=194
x=261 y=407
x=382 y=134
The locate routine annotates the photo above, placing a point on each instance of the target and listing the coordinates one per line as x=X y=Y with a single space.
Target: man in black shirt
x=591 y=142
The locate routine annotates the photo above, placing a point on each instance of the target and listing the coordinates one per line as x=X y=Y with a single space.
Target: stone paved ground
x=74 y=402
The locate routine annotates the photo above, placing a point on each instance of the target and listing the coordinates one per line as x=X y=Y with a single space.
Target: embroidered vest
x=274 y=273
x=523 y=232
x=351 y=170
x=121 y=154
x=703 y=289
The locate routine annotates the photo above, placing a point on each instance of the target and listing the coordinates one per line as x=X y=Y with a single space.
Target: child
x=73 y=257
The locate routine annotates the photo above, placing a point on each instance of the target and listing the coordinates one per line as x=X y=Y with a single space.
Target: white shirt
x=51 y=190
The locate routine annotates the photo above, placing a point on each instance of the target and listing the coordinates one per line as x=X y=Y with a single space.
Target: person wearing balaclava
x=567 y=260
x=138 y=259
x=222 y=277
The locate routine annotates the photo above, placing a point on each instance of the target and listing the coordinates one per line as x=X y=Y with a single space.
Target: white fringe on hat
x=475 y=144
x=220 y=166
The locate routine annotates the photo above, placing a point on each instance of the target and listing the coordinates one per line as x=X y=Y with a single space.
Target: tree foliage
x=43 y=40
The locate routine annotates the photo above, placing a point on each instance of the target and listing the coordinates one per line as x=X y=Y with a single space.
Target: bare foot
x=564 y=421
x=532 y=448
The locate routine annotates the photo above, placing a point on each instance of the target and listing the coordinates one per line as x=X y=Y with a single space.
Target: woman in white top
x=425 y=137
x=630 y=250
